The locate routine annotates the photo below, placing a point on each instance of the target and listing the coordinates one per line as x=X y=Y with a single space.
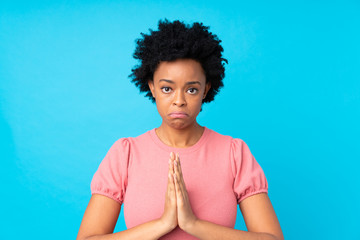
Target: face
x=179 y=88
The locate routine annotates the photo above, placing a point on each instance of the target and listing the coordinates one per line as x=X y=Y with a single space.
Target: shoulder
x=222 y=139
x=129 y=144
x=121 y=142
x=236 y=147
x=216 y=136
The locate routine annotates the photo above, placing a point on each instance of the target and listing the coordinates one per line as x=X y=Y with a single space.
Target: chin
x=180 y=124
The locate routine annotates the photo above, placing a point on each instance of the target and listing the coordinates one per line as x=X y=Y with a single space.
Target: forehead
x=180 y=70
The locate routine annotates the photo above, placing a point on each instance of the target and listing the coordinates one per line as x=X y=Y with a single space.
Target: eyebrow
x=187 y=83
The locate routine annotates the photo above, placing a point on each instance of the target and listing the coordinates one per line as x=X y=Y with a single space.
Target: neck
x=180 y=138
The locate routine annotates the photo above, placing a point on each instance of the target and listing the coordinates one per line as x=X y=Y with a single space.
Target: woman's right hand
x=169 y=217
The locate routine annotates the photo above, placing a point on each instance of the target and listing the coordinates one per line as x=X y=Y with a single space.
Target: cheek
x=162 y=103
x=196 y=100
x=195 y=103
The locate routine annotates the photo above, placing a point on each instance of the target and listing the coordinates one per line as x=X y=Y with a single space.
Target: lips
x=178 y=115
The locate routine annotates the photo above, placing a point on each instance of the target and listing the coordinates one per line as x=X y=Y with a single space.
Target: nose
x=179 y=99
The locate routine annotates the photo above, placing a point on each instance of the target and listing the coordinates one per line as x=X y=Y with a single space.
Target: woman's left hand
x=186 y=217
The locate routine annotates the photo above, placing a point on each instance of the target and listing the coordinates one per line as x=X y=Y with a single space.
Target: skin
x=185 y=216
x=179 y=86
x=258 y=213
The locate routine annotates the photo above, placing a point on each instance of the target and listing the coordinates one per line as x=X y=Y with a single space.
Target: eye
x=165 y=89
x=192 y=90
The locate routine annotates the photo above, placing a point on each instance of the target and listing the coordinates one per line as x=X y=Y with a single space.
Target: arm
x=260 y=220
x=102 y=213
x=257 y=210
x=100 y=219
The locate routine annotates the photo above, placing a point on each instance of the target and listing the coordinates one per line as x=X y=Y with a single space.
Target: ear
x=152 y=88
x=207 y=88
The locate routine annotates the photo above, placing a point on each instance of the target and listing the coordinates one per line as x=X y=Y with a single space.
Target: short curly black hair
x=176 y=40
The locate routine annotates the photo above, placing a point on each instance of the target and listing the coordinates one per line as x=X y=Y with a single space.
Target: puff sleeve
x=249 y=178
x=110 y=179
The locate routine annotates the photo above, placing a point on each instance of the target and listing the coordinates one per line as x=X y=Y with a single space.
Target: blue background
x=292 y=93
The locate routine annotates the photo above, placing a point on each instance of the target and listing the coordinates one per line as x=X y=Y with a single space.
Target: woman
x=180 y=180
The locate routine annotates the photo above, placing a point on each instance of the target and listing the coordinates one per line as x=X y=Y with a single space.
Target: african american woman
x=180 y=180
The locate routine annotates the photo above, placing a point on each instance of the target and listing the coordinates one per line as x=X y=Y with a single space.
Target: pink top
x=219 y=172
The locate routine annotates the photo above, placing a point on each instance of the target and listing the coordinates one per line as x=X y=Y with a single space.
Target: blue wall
x=292 y=93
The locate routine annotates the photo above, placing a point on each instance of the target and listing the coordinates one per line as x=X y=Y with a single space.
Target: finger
x=180 y=186
x=180 y=169
x=170 y=179
x=171 y=184
x=172 y=159
x=171 y=166
x=171 y=172
x=179 y=195
x=172 y=191
x=179 y=173
x=178 y=158
x=168 y=190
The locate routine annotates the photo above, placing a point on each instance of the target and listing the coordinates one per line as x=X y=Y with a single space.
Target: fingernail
x=171 y=154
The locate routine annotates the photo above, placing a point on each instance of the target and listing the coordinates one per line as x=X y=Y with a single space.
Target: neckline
x=169 y=149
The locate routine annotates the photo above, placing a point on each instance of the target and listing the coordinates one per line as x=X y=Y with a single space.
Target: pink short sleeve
x=110 y=179
x=249 y=176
